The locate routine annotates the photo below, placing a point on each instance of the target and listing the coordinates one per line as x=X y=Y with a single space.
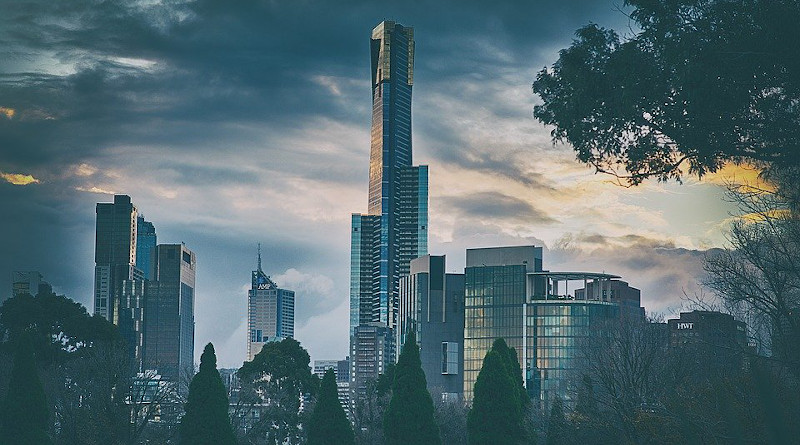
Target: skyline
x=496 y=179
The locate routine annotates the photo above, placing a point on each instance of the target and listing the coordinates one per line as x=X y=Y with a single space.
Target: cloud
x=7 y=112
x=18 y=179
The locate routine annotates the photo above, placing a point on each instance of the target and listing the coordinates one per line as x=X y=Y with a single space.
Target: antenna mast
x=259 y=257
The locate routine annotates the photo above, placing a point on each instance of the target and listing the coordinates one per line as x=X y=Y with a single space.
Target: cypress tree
x=24 y=410
x=496 y=414
x=409 y=419
x=328 y=424
x=206 y=420
x=509 y=354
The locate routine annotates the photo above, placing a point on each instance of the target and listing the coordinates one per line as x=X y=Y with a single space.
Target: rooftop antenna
x=259 y=257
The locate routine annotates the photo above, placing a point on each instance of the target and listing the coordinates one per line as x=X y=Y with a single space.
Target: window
x=449 y=358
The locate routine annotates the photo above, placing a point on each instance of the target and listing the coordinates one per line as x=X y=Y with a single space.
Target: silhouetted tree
x=700 y=83
x=328 y=424
x=409 y=418
x=496 y=413
x=557 y=427
x=206 y=420
x=24 y=410
x=509 y=355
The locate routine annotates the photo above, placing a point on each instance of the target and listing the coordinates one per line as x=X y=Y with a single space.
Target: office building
x=118 y=283
x=146 y=242
x=370 y=346
x=394 y=229
x=341 y=368
x=711 y=341
x=545 y=316
x=169 y=313
x=26 y=283
x=270 y=312
x=432 y=306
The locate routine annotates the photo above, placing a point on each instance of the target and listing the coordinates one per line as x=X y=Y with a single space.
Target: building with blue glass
x=270 y=312
x=146 y=241
x=394 y=229
x=547 y=317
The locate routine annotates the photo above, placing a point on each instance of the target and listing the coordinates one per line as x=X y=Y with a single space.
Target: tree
x=206 y=420
x=273 y=384
x=369 y=408
x=701 y=83
x=409 y=419
x=328 y=424
x=496 y=414
x=513 y=368
x=24 y=410
x=557 y=426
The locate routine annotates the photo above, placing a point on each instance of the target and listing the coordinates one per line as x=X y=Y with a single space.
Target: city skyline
x=498 y=181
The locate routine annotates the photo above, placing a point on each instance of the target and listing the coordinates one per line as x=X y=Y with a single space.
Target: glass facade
x=146 y=242
x=394 y=229
x=270 y=312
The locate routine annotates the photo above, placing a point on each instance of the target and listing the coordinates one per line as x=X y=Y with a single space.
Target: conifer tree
x=409 y=419
x=328 y=424
x=557 y=426
x=24 y=410
x=206 y=420
x=496 y=414
x=509 y=354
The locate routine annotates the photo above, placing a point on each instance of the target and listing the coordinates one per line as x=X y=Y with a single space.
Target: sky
x=234 y=123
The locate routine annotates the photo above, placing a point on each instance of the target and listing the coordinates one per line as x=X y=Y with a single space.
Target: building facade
x=118 y=283
x=146 y=241
x=27 y=282
x=394 y=229
x=270 y=312
x=712 y=341
x=432 y=306
x=169 y=313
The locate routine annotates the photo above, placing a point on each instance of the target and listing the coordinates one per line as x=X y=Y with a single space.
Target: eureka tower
x=394 y=229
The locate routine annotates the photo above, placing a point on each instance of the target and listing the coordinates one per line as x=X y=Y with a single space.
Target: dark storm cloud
x=495 y=205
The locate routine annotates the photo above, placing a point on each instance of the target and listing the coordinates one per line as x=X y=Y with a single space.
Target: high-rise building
x=169 y=313
x=432 y=305
x=394 y=229
x=270 y=312
x=118 y=283
x=26 y=283
x=712 y=341
x=146 y=242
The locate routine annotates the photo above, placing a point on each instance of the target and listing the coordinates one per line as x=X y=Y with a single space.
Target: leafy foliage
x=409 y=419
x=702 y=83
x=328 y=424
x=496 y=414
x=24 y=410
x=206 y=420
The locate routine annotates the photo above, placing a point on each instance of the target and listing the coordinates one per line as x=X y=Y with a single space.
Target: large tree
x=206 y=420
x=273 y=384
x=497 y=412
x=409 y=419
x=328 y=424
x=699 y=83
x=24 y=412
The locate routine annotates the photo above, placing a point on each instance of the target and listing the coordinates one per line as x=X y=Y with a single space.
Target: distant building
x=270 y=312
x=394 y=229
x=26 y=283
x=169 y=313
x=432 y=305
x=628 y=298
x=118 y=283
x=341 y=368
x=370 y=345
x=146 y=242
x=712 y=340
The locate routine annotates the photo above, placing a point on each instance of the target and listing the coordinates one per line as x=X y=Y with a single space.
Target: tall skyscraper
x=118 y=283
x=270 y=312
x=146 y=242
x=394 y=229
x=432 y=305
x=169 y=312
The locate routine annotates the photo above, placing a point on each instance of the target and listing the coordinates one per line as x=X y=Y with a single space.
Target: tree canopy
x=206 y=420
x=409 y=419
x=328 y=424
x=24 y=412
x=701 y=83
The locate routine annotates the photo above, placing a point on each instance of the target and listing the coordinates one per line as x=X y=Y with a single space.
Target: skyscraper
x=270 y=312
x=394 y=229
x=146 y=242
x=432 y=305
x=169 y=312
x=118 y=284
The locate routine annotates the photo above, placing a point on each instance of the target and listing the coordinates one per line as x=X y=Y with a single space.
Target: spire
x=259 y=257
